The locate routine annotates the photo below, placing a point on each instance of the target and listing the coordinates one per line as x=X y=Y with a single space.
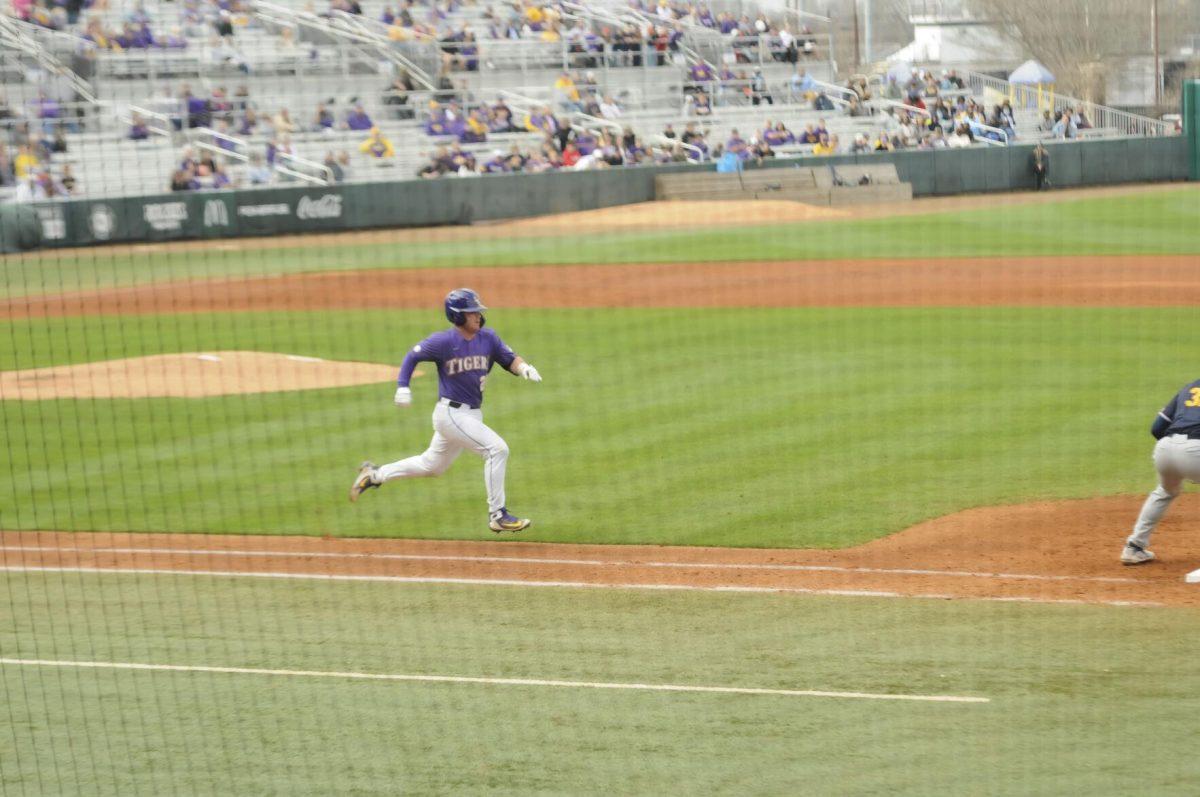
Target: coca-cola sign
x=327 y=206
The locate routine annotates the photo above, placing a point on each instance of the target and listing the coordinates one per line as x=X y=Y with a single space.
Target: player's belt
x=457 y=404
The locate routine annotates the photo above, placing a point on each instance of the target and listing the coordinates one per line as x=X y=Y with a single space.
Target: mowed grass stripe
x=1142 y=223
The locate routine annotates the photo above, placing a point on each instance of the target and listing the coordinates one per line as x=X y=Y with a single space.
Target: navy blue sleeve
x=1162 y=421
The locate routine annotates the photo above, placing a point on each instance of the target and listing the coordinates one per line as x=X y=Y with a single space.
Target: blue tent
x=1031 y=73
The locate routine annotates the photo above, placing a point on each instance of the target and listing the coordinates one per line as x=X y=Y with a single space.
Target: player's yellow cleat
x=503 y=521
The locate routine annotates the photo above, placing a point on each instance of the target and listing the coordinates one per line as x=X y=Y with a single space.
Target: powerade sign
x=271 y=212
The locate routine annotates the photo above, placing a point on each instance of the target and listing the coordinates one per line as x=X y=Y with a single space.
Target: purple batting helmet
x=461 y=301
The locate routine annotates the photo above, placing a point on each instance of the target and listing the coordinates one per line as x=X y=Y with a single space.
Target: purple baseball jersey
x=462 y=364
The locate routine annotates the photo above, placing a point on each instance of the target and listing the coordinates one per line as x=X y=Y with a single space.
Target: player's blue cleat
x=365 y=480
x=503 y=521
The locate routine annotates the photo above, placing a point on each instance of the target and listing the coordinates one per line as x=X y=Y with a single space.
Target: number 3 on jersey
x=1194 y=401
x=483 y=384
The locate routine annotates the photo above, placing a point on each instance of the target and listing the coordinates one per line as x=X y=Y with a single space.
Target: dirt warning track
x=1049 y=552
x=1113 y=281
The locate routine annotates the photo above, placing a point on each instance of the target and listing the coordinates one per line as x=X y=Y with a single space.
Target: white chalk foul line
x=579 y=562
x=463 y=679
x=502 y=582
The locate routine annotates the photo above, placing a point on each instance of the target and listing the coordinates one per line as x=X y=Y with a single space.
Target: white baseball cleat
x=1136 y=555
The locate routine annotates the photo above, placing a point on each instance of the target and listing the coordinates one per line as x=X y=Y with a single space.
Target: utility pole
x=1157 y=61
x=857 y=51
x=867 y=54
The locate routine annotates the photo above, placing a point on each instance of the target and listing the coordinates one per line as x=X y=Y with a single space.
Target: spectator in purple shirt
x=48 y=110
x=585 y=142
x=737 y=145
x=500 y=119
x=778 y=135
x=468 y=52
x=175 y=40
x=323 y=120
x=198 y=114
x=700 y=72
x=358 y=119
x=225 y=143
x=138 y=130
x=248 y=124
x=497 y=164
x=220 y=179
x=387 y=17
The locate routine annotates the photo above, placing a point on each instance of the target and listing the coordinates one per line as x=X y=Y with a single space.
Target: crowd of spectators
x=562 y=146
x=1066 y=124
x=137 y=29
x=31 y=143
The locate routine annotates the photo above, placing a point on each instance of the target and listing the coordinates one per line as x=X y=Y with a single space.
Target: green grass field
x=797 y=427
x=782 y=427
x=1064 y=717
x=1150 y=223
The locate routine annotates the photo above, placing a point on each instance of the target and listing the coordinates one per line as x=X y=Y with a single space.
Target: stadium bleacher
x=208 y=63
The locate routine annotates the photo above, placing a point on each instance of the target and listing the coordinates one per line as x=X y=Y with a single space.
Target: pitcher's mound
x=677 y=213
x=190 y=375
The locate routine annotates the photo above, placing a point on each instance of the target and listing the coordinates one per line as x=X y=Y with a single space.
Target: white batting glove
x=530 y=373
x=403 y=397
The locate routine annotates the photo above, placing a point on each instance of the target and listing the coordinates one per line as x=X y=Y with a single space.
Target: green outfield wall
x=1191 y=125
x=420 y=203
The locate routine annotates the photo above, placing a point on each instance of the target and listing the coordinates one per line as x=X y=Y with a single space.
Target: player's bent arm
x=1165 y=417
x=1160 y=426
x=403 y=397
x=407 y=367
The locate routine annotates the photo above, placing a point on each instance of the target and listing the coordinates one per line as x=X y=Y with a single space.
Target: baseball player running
x=1176 y=457
x=464 y=356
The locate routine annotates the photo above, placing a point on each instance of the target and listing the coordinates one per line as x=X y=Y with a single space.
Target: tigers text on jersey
x=462 y=364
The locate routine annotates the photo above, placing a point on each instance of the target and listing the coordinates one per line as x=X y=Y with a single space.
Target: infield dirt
x=1062 y=551
x=1111 y=280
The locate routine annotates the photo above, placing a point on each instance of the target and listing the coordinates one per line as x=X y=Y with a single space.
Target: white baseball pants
x=456 y=429
x=1175 y=458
